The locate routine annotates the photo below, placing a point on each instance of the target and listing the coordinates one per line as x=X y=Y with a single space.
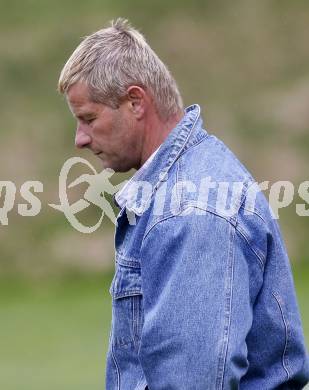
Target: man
x=203 y=295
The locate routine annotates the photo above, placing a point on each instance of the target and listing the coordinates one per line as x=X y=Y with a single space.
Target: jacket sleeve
x=195 y=284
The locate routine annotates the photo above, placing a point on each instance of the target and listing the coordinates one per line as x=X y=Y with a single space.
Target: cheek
x=100 y=131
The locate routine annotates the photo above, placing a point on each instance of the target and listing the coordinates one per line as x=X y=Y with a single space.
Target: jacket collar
x=155 y=169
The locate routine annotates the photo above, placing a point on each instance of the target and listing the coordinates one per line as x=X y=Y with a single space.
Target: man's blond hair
x=111 y=60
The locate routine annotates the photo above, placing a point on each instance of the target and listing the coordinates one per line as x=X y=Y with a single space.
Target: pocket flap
x=126 y=282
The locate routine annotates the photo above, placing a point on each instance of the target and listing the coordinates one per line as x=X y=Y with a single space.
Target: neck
x=156 y=131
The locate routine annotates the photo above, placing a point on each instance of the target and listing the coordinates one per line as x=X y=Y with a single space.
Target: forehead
x=78 y=98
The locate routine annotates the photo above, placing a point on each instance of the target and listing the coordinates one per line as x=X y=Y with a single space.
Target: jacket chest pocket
x=127 y=311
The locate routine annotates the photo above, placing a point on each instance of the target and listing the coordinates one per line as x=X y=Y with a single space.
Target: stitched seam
x=183 y=206
x=253 y=212
x=133 y=319
x=286 y=328
x=180 y=144
x=122 y=342
x=141 y=385
x=186 y=206
x=117 y=367
x=227 y=314
x=190 y=131
x=127 y=261
x=210 y=209
x=196 y=144
x=243 y=203
x=229 y=217
x=157 y=222
x=127 y=294
x=243 y=235
x=135 y=312
x=177 y=181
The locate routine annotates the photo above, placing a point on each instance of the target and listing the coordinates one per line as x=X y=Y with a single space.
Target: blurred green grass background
x=54 y=335
x=245 y=62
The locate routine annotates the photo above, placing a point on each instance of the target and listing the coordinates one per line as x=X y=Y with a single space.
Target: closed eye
x=88 y=121
x=86 y=118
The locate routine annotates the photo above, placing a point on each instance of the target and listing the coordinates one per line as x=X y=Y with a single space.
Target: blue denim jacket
x=203 y=295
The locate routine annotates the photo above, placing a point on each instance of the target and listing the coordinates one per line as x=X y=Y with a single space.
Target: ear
x=137 y=100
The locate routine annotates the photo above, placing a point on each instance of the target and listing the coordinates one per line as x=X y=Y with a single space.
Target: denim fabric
x=203 y=295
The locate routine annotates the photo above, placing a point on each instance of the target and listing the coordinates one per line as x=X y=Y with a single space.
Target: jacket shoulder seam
x=260 y=258
x=182 y=210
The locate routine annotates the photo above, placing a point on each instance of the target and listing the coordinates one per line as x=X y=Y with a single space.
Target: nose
x=82 y=139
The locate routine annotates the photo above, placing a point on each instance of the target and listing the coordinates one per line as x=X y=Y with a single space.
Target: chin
x=112 y=165
x=107 y=165
x=117 y=166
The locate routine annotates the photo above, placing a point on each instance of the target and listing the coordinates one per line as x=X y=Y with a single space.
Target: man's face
x=111 y=134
